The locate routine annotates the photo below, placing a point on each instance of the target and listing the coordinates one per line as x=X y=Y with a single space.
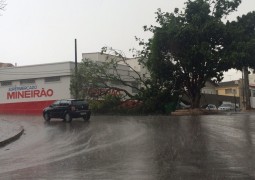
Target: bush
x=113 y=105
x=109 y=104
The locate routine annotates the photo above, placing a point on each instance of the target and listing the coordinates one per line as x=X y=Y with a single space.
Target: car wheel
x=68 y=118
x=86 y=117
x=46 y=117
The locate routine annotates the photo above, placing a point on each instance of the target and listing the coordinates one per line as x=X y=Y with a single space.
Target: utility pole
x=235 y=98
x=243 y=93
x=76 y=69
x=246 y=88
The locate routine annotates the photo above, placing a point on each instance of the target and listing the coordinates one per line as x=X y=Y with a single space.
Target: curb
x=194 y=112
x=13 y=138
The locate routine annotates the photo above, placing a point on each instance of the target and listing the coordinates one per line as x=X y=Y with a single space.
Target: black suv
x=67 y=109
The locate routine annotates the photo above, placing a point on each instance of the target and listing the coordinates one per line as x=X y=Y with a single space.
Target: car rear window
x=78 y=103
x=65 y=102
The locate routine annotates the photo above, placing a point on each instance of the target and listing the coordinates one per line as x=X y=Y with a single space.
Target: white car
x=226 y=107
x=211 y=107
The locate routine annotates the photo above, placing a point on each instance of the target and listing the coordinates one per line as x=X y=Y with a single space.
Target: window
x=52 y=79
x=56 y=103
x=6 y=83
x=64 y=103
x=27 y=81
x=228 y=91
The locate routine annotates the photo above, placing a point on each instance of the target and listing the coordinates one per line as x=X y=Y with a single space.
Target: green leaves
x=224 y=7
x=188 y=49
x=241 y=44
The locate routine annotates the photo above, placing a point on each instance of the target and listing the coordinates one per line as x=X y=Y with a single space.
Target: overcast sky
x=43 y=31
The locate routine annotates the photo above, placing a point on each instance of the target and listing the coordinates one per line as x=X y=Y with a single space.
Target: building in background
x=5 y=65
x=232 y=89
x=28 y=89
x=210 y=88
x=252 y=88
x=129 y=72
x=229 y=88
x=99 y=57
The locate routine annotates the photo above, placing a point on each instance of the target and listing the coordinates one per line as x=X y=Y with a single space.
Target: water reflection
x=248 y=126
x=148 y=147
x=178 y=147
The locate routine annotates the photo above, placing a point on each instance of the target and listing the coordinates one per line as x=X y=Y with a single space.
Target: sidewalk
x=9 y=132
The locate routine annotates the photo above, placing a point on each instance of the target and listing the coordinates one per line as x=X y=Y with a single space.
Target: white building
x=28 y=89
x=98 y=56
x=127 y=72
x=252 y=89
x=210 y=88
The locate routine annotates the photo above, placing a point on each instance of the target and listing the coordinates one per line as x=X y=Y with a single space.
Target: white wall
x=39 y=90
x=252 y=99
x=208 y=90
x=123 y=70
x=36 y=71
x=252 y=79
x=132 y=62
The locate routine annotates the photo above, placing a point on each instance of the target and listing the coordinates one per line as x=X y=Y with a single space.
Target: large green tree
x=96 y=80
x=242 y=47
x=188 y=46
x=102 y=78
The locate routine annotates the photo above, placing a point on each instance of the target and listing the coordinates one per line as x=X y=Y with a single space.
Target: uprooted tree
x=96 y=79
x=189 y=47
x=108 y=80
x=116 y=77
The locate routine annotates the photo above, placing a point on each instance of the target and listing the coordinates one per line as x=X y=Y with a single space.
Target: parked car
x=181 y=105
x=211 y=107
x=67 y=109
x=226 y=107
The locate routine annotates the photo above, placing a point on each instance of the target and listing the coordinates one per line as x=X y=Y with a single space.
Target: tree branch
x=2 y=4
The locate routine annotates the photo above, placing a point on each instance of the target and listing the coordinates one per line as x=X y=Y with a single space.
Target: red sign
x=30 y=94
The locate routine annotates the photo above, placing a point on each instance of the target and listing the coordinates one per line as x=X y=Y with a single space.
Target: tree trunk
x=195 y=100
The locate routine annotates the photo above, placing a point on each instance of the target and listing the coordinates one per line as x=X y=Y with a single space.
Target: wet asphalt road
x=127 y=148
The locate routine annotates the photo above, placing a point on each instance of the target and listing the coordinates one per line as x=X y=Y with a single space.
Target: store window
x=27 y=81
x=6 y=83
x=52 y=79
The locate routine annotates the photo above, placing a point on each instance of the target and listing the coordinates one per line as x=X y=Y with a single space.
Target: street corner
x=9 y=132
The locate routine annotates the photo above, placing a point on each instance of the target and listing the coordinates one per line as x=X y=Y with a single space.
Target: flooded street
x=132 y=147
